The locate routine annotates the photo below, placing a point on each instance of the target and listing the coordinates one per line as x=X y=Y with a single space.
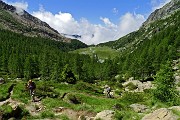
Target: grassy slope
x=90 y=98
x=102 y=52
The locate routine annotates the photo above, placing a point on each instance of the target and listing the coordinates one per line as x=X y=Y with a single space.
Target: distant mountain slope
x=156 y=22
x=156 y=42
x=20 y=21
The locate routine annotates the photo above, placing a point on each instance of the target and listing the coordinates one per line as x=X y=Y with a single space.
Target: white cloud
x=20 y=6
x=108 y=23
x=130 y=22
x=115 y=11
x=91 y=33
x=156 y=4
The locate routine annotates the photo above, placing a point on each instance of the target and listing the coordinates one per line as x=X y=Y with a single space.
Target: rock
x=175 y=68
x=160 y=114
x=1 y=80
x=177 y=79
x=131 y=78
x=82 y=117
x=163 y=12
x=59 y=109
x=139 y=108
x=105 y=115
x=141 y=86
x=175 y=108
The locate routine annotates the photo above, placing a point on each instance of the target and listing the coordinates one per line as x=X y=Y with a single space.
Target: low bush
x=88 y=88
x=127 y=115
x=131 y=86
x=133 y=97
x=47 y=114
x=4 y=91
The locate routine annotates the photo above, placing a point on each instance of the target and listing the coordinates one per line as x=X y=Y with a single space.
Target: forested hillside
x=135 y=77
x=143 y=51
x=28 y=57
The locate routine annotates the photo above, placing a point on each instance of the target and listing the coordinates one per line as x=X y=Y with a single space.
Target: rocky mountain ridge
x=165 y=11
x=158 y=20
x=20 y=21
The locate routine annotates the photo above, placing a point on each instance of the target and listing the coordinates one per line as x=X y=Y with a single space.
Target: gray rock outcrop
x=139 y=108
x=160 y=114
x=105 y=115
x=163 y=12
x=141 y=86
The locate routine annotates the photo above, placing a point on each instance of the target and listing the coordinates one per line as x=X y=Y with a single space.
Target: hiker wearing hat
x=31 y=86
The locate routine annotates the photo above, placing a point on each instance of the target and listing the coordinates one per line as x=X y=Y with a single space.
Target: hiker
x=107 y=91
x=31 y=86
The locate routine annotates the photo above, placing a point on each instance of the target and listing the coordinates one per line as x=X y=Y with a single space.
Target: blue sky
x=95 y=20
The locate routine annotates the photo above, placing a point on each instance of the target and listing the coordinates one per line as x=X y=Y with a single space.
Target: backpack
x=108 y=89
x=32 y=86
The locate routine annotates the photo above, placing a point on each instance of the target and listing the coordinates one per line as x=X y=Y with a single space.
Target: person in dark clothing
x=108 y=89
x=31 y=86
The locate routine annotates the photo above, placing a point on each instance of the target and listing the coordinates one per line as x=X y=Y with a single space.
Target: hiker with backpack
x=32 y=86
x=108 y=91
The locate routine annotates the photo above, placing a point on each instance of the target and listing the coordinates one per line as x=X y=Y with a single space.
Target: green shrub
x=21 y=93
x=131 y=86
x=73 y=99
x=119 y=92
x=4 y=93
x=88 y=88
x=176 y=112
x=126 y=115
x=64 y=117
x=133 y=97
x=6 y=110
x=47 y=114
x=165 y=90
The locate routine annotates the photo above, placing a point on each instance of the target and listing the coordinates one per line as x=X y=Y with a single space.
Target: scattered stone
x=105 y=115
x=59 y=109
x=139 y=108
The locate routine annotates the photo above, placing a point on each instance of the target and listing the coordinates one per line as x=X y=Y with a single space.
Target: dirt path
x=34 y=108
x=74 y=115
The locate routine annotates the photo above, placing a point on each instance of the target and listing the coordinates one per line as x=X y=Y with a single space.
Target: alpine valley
x=142 y=69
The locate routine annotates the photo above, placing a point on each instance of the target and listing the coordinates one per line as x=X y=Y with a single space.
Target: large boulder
x=140 y=86
x=139 y=108
x=105 y=115
x=160 y=114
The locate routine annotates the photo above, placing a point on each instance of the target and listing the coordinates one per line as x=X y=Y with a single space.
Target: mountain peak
x=163 y=12
x=26 y=24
